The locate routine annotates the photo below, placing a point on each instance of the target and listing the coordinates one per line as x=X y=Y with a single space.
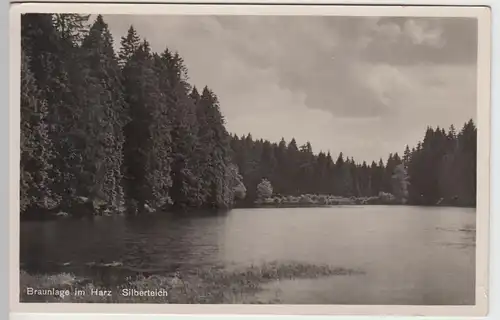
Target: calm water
x=409 y=255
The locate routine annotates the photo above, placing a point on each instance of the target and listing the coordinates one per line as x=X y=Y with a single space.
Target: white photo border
x=481 y=13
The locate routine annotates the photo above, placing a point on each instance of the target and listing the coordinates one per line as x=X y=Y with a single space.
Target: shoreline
x=344 y=202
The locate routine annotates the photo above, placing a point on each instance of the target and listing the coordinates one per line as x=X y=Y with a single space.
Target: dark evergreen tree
x=147 y=148
x=129 y=46
x=364 y=174
x=56 y=65
x=406 y=156
x=72 y=28
x=105 y=115
x=467 y=163
x=36 y=148
x=215 y=141
x=442 y=169
x=186 y=190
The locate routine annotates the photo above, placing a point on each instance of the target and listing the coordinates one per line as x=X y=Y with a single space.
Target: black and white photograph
x=249 y=159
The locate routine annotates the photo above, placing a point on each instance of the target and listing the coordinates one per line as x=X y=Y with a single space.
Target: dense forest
x=441 y=169
x=126 y=131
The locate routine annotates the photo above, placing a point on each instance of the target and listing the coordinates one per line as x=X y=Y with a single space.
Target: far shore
x=87 y=209
x=314 y=200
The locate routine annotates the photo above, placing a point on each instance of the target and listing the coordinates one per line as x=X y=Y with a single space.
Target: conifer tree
x=72 y=28
x=186 y=189
x=147 y=136
x=106 y=115
x=215 y=141
x=129 y=46
x=36 y=148
x=56 y=66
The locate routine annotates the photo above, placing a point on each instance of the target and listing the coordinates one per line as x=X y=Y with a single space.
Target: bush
x=386 y=197
x=264 y=189
x=306 y=199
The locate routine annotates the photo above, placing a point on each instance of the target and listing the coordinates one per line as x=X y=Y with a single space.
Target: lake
x=407 y=255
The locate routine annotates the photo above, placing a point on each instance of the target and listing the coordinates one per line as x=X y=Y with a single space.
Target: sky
x=364 y=86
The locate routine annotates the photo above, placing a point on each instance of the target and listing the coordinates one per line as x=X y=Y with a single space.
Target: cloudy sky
x=364 y=86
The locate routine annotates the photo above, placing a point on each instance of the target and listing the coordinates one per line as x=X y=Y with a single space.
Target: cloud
x=387 y=83
x=420 y=33
x=408 y=41
x=412 y=32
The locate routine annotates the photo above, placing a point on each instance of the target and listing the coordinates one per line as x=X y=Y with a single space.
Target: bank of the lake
x=210 y=285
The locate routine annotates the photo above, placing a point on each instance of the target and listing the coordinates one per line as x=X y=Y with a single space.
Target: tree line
x=440 y=169
x=126 y=130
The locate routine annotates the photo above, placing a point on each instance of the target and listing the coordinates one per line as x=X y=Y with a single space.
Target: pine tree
x=215 y=140
x=365 y=180
x=330 y=183
x=72 y=28
x=36 y=148
x=343 y=177
x=378 y=177
x=406 y=156
x=56 y=65
x=147 y=146
x=129 y=46
x=305 y=172
x=321 y=174
x=281 y=177
x=41 y=43
x=106 y=111
x=467 y=142
x=186 y=190
x=441 y=171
